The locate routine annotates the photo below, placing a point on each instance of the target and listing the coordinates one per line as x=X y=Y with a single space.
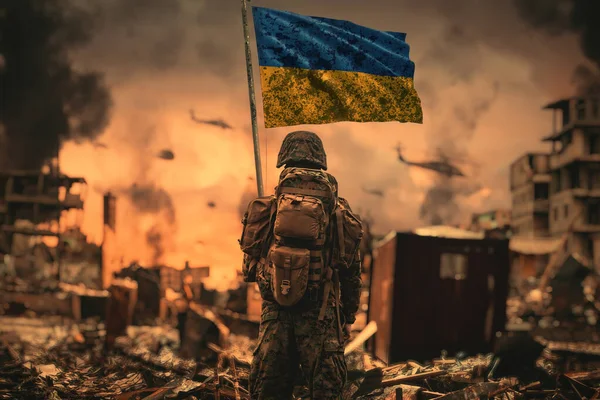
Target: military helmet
x=302 y=146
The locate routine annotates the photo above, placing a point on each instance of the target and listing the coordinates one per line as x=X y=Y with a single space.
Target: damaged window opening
x=556 y=182
x=566 y=140
x=541 y=191
x=581 y=109
x=453 y=266
x=595 y=108
x=574 y=177
x=594 y=144
x=594 y=214
x=593 y=179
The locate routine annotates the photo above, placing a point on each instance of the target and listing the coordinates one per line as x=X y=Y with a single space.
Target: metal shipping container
x=430 y=294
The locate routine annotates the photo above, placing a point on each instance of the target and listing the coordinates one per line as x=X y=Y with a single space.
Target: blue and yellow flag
x=319 y=70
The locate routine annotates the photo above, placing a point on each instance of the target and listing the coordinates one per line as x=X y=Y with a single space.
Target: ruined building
x=558 y=193
x=31 y=205
x=530 y=188
x=575 y=168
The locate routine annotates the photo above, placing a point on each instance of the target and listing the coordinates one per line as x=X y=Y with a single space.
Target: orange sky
x=212 y=164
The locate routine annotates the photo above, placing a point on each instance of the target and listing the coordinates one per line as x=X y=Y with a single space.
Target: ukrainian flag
x=318 y=70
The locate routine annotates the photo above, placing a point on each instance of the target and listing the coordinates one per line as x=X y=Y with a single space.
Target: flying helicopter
x=374 y=192
x=443 y=166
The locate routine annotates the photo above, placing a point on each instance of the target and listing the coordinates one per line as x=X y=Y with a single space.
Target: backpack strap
x=307 y=192
x=326 y=290
x=332 y=282
x=315 y=273
x=338 y=299
x=293 y=173
x=340 y=232
x=269 y=238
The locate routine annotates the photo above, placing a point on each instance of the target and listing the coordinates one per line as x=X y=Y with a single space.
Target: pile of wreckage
x=53 y=358
x=145 y=337
x=561 y=302
x=107 y=357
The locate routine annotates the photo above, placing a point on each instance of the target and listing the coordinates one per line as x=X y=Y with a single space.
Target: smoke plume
x=44 y=100
x=150 y=199
x=441 y=204
x=156 y=203
x=154 y=238
x=161 y=56
x=586 y=81
x=581 y=17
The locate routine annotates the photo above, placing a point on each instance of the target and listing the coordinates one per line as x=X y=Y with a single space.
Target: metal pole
x=59 y=248
x=257 y=163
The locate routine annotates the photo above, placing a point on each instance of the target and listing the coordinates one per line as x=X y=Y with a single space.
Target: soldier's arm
x=350 y=285
x=249 y=268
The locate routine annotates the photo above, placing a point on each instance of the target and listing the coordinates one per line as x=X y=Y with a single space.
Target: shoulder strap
x=267 y=242
x=340 y=231
x=293 y=173
x=307 y=192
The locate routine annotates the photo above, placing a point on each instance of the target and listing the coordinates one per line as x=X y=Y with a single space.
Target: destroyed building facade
x=530 y=188
x=574 y=165
x=31 y=206
x=558 y=193
x=530 y=192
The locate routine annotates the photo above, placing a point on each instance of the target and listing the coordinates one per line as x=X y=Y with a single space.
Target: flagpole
x=257 y=162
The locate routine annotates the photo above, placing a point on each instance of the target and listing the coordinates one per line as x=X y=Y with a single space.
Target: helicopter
x=442 y=167
x=374 y=192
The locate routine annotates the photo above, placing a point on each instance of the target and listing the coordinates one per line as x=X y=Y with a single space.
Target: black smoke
x=149 y=199
x=154 y=239
x=580 y=17
x=439 y=206
x=44 y=101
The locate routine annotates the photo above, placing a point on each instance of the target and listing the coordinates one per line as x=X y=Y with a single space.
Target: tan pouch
x=256 y=225
x=299 y=216
x=289 y=271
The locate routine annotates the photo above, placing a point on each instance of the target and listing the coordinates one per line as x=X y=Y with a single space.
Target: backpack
x=301 y=235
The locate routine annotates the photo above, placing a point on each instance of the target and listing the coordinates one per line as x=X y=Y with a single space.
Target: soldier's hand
x=346 y=332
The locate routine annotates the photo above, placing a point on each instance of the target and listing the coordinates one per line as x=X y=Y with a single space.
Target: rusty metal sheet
x=380 y=303
x=425 y=308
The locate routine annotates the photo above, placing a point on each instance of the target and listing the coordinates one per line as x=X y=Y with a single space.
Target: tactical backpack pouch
x=305 y=202
x=299 y=217
x=289 y=273
x=256 y=223
x=348 y=234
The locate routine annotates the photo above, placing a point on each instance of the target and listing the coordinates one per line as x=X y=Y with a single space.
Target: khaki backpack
x=297 y=254
x=302 y=235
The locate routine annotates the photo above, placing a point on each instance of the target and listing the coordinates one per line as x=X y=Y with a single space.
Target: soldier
x=302 y=247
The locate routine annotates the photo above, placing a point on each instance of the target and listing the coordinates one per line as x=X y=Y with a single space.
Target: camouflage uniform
x=293 y=336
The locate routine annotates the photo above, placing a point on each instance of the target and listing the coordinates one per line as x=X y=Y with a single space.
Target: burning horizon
x=482 y=71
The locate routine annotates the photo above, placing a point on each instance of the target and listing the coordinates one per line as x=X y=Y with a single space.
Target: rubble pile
x=52 y=358
x=46 y=358
x=473 y=378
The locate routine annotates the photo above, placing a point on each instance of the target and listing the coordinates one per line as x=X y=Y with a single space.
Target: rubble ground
x=55 y=358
